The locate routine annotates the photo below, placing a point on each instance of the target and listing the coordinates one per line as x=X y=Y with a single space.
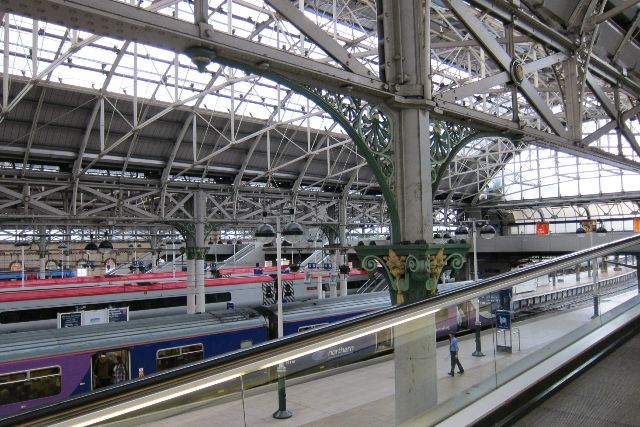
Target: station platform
x=545 y=289
x=363 y=395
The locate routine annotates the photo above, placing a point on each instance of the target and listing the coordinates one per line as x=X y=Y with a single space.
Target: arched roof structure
x=105 y=121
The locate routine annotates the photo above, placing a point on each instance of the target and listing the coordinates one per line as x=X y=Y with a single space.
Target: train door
x=384 y=340
x=462 y=318
x=109 y=367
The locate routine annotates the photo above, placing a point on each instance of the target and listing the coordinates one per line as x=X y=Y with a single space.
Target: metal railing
x=376 y=283
x=237 y=259
x=144 y=392
x=316 y=256
x=124 y=267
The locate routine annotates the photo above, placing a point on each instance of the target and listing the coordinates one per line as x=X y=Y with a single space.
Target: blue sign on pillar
x=312 y=266
x=503 y=329
x=327 y=266
x=503 y=319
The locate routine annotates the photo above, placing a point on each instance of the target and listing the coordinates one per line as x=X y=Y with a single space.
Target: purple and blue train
x=43 y=367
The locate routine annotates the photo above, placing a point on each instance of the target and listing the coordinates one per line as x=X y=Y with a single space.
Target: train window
x=217 y=297
x=27 y=385
x=306 y=328
x=384 y=340
x=168 y=358
x=110 y=367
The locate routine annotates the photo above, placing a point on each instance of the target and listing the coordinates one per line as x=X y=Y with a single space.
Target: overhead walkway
x=489 y=382
x=551 y=244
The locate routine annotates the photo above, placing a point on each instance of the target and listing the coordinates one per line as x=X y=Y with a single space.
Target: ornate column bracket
x=208 y=228
x=412 y=270
x=446 y=138
x=188 y=232
x=371 y=128
x=196 y=253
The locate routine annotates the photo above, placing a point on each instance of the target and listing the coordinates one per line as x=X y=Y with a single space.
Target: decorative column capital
x=412 y=270
x=196 y=253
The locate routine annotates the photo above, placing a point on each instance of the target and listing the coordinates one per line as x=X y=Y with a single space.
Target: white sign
x=94 y=317
x=69 y=320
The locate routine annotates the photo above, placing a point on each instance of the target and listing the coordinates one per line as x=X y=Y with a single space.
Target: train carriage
x=46 y=366
x=37 y=307
x=79 y=360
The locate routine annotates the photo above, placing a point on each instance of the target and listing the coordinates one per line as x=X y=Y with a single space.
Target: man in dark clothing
x=453 y=349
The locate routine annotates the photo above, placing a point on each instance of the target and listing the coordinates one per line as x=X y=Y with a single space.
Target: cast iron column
x=200 y=203
x=405 y=66
x=42 y=253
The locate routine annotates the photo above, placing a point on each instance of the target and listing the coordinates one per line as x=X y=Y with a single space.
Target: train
x=33 y=275
x=36 y=306
x=42 y=367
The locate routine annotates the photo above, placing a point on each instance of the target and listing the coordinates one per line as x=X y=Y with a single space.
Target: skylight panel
x=122 y=85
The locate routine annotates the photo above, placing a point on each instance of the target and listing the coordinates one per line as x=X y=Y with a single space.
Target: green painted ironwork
x=371 y=128
x=364 y=122
x=196 y=253
x=441 y=165
x=413 y=270
x=187 y=230
x=445 y=137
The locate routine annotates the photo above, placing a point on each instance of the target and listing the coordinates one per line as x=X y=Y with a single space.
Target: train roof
x=341 y=305
x=453 y=286
x=350 y=304
x=29 y=345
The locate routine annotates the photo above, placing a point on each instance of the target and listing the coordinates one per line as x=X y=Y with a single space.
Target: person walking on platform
x=453 y=349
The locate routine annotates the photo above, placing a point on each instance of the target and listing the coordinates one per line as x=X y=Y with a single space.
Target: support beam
x=319 y=36
x=483 y=121
x=479 y=31
x=122 y=21
x=613 y=112
x=572 y=99
x=483 y=85
x=630 y=31
x=33 y=131
x=200 y=204
x=613 y=12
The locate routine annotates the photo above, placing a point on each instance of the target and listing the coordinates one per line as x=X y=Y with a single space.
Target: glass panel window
x=29 y=385
x=169 y=358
